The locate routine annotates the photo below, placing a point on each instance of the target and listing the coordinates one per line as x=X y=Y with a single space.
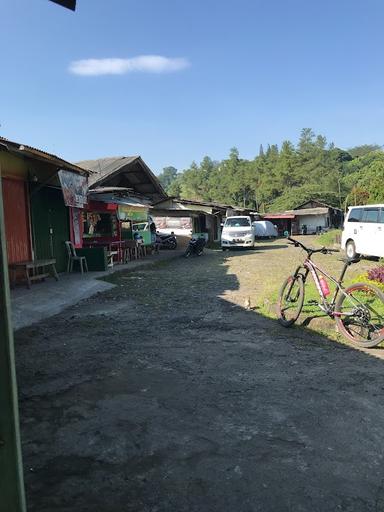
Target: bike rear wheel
x=359 y=314
x=291 y=299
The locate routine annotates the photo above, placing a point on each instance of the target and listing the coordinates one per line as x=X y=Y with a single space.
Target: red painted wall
x=16 y=215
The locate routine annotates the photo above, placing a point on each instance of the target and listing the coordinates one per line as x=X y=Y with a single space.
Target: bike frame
x=309 y=267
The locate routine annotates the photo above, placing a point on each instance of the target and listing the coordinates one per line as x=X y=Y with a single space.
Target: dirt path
x=165 y=395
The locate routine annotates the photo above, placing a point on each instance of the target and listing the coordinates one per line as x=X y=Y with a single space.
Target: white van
x=363 y=231
x=237 y=232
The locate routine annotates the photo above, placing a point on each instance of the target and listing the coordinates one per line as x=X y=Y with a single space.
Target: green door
x=50 y=225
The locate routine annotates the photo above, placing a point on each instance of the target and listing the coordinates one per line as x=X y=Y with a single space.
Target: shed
x=127 y=172
x=206 y=216
x=43 y=198
x=310 y=217
x=318 y=215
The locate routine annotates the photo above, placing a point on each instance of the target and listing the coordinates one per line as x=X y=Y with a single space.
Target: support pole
x=12 y=497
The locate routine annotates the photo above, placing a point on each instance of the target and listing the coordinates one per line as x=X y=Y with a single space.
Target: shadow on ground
x=160 y=395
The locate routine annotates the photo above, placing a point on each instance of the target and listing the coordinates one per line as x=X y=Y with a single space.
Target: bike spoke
x=361 y=315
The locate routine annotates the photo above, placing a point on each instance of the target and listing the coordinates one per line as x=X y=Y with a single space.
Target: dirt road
x=165 y=395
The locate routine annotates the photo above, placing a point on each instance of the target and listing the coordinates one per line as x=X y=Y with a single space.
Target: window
x=370 y=214
x=355 y=215
x=99 y=224
x=381 y=216
x=237 y=222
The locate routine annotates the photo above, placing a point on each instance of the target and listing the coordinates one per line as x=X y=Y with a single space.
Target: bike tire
x=363 y=325
x=187 y=253
x=291 y=284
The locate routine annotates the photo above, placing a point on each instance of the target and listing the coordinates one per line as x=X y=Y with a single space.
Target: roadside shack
x=111 y=220
x=44 y=196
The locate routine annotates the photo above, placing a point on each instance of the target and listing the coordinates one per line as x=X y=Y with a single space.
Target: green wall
x=50 y=225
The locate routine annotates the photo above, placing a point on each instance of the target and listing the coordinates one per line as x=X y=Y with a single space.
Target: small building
x=112 y=215
x=309 y=218
x=43 y=199
x=318 y=215
x=206 y=217
x=121 y=192
x=128 y=172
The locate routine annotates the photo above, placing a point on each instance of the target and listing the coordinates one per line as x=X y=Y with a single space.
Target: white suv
x=363 y=231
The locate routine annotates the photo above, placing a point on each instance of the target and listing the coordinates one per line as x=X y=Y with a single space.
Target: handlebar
x=310 y=250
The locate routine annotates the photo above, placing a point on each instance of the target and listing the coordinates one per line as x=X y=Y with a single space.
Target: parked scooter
x=195 y=247
x=167 y=241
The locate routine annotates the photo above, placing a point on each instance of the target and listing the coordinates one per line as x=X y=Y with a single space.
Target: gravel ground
x=164 y=394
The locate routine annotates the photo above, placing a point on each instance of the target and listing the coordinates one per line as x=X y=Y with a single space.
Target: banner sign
x=74 y=187
x=131 y=213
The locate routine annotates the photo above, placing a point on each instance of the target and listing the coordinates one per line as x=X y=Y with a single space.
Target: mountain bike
x=358 y=309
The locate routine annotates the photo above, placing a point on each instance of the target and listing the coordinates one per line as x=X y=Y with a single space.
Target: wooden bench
x=35 y=266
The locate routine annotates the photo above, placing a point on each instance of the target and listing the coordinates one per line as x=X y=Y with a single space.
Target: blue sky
x=230 y=73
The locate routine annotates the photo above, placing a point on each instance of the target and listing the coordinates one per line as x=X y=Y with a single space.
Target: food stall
x=110 y=220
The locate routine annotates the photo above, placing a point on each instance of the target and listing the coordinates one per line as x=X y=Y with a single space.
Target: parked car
x=363 y=231
x=237 y=232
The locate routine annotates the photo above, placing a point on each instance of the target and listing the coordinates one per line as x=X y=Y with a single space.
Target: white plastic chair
x=72 y=256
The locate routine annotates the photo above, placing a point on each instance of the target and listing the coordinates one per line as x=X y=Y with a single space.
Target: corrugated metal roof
x=198 y=203
x=278 y=216
x=309 y=211
x=34 y=153
x=112 y=198
x=104 y=167
x=299 y=207
x=124 y=171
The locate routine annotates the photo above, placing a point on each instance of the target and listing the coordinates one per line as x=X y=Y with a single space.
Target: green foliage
x=329 y=238
x=282 y=178
x=363 y=278
x=358 y=151
x=167 y=177
x=364 y=179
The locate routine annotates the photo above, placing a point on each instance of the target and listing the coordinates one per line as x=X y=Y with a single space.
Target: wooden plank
x=32 y=264
x=12 y=497
x=38 y=276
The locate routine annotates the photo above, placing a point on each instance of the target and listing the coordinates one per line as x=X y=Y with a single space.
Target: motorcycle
x=195 y=247
x=167 y=241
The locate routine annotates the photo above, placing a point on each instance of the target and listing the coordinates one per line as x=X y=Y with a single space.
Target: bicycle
x=358 y=310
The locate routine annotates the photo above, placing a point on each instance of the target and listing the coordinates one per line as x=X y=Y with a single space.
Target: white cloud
x=141 y=63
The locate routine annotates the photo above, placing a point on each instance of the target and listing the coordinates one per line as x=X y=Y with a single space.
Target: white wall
x=312 y=221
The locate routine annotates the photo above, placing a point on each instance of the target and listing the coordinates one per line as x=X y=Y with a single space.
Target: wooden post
x=12 y=498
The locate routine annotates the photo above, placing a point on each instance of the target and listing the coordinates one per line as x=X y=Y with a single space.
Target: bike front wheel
x=291 y=299
x=359 y=314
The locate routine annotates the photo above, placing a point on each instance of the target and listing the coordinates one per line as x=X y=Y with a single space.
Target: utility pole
x=12 y=494
x=338 y=184
x=12 y=497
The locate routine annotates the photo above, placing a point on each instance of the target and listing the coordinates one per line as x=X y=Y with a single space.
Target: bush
x=377 y=274
x=364 y=278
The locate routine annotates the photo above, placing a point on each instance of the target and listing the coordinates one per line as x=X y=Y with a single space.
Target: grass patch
x=329 y=238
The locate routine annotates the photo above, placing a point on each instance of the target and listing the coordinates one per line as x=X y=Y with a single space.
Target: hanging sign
x=132 y=213
x=74 y=187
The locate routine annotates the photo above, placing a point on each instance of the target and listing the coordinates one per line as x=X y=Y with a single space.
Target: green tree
x=358 y=151
x=167 y=177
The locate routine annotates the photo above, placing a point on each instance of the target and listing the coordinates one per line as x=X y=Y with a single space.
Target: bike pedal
x=313 y=302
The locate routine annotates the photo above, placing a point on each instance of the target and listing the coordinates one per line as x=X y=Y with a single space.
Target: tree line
x=281 y=178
